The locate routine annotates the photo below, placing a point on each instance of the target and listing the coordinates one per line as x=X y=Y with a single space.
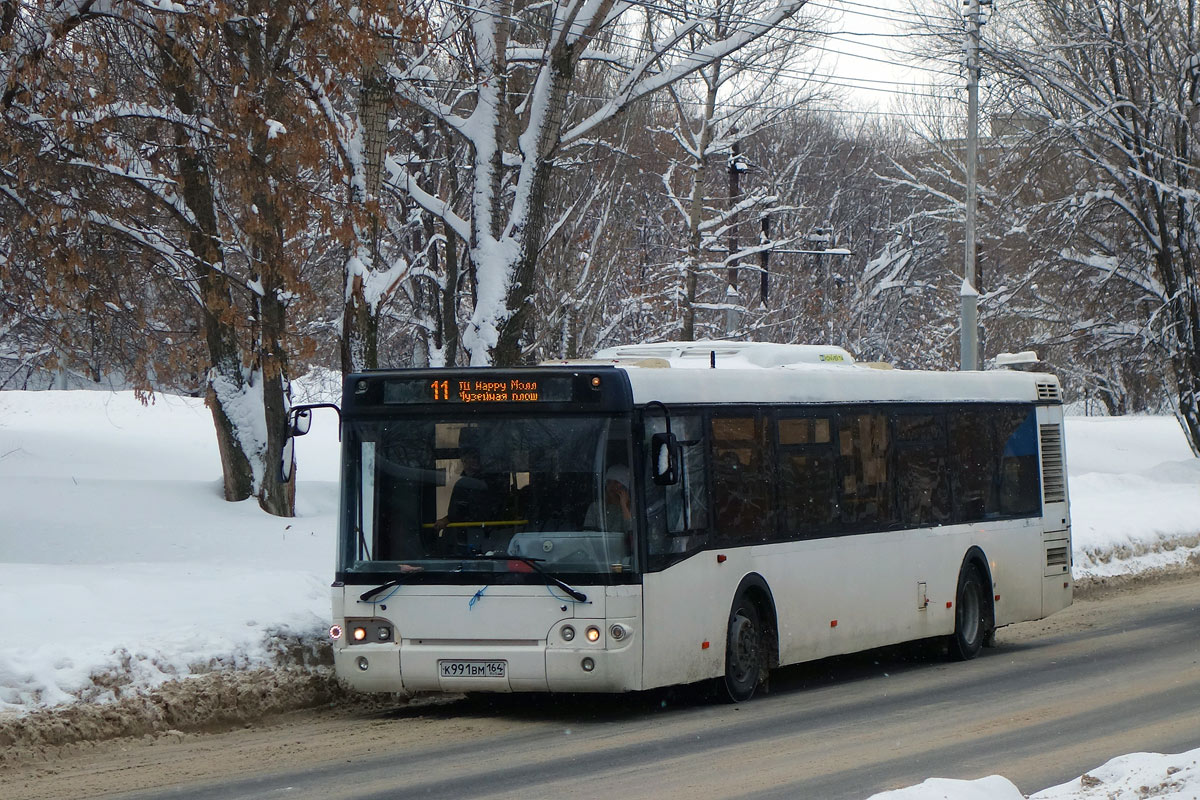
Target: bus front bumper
x=466 y=666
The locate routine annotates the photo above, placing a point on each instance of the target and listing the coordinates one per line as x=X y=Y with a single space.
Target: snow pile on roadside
x=1135 y=495
x=1131 y=777
x=125 y=566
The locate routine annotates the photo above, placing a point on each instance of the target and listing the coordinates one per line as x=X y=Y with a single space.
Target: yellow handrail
x=492 y=522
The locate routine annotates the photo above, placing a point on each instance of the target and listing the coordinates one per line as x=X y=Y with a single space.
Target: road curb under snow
x=212 y=702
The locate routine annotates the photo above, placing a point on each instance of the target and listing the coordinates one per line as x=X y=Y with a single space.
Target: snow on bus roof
x=752 y=372
x=732 y=355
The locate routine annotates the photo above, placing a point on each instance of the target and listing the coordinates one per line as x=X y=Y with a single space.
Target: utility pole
x=732 y=299
x=969 y=322
x=763 y=260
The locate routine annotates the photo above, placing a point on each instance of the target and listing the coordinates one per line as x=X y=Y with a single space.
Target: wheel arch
x=977 y=558
x=755 y=588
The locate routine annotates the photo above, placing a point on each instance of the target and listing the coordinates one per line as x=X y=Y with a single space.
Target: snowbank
x=126 y=566
x=1135 y=495
x=1132 y=777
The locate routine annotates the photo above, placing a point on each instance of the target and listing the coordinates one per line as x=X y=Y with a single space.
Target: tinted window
x=922 y=469
x=741 y=479
x=1019 y=477
x=973 y=448
x=807 y=476
x=995 y=456
x=863 y=455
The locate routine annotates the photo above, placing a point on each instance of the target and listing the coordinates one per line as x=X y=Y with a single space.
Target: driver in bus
x=615 y=513
x=474 y=498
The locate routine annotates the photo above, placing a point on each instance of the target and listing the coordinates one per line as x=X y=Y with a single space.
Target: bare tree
x=182 y=133
x=1113 y=87
x=504 y=78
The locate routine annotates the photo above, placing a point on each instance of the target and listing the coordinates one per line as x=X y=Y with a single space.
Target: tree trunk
x=272 y=272
x=274 y=496
x=508 y=351
x=360 y=317
x=450 y=337
x=225 y=377
x=696 y=209
x=360 y=330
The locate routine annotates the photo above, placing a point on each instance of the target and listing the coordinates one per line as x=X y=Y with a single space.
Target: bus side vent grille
x=1049 y=392
x=1056 y=558
x=1053 y=479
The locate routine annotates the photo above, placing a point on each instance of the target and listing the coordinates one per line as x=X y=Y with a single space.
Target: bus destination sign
x=492 y=388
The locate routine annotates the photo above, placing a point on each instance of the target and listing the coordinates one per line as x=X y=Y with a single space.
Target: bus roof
x=759 y=372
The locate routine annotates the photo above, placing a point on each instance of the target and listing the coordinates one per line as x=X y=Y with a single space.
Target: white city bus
x=675 y=513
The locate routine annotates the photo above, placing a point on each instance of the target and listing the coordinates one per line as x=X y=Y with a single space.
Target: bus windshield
x=456 y=495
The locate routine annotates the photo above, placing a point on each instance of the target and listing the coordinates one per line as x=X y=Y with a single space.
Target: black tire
x=972 y=620
x=743 y=653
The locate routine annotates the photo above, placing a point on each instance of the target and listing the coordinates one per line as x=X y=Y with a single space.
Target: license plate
x=472 y=669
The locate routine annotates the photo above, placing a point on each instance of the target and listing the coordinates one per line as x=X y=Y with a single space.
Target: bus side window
x=1020 y=480
x=974 y=449
x=677 y=515
x=922 y=469
x=807 y=482
x=866 y=490
x=742 y=479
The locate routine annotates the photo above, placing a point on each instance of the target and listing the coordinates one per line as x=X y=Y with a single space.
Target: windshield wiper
x=363 y=598
x=533 y=564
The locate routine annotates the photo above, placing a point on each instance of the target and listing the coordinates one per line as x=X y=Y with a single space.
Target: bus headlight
x=568 y=633
x=593 y=634
x=366 y=631
x=617 y=632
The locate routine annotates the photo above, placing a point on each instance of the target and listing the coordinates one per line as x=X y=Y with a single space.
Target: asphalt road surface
x=1113 y=674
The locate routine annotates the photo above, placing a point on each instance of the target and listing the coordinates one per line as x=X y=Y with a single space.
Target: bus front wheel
x=971 y=618
x=743 y=652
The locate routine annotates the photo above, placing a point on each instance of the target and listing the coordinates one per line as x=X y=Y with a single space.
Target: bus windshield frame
x=442 y=497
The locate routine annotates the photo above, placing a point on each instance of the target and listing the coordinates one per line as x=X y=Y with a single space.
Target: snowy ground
x=126 y=569
x=1133 y=777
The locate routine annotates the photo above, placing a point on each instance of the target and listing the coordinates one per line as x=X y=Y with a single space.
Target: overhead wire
x=797 y=73
x=736 y=106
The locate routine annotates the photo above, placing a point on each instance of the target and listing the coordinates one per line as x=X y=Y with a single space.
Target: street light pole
x=969 y=330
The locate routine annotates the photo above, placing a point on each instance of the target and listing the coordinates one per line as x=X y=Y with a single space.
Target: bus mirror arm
x=299 y=421
x=665 y=454
x=300 y=418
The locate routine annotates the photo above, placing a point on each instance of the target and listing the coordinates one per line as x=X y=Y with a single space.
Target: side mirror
x=301 y=421
x=664 y=458
x=298 y=423
x=287 y=459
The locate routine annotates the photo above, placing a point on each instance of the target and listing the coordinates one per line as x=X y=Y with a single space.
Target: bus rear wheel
x=743 y=653
x=971 y=618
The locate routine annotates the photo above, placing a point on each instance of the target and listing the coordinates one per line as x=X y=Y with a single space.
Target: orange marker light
x=704 y=645
x=721 y=558
x=949 y=604
x=833 y=623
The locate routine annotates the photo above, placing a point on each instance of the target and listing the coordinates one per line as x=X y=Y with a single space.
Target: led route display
x=490 y=389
